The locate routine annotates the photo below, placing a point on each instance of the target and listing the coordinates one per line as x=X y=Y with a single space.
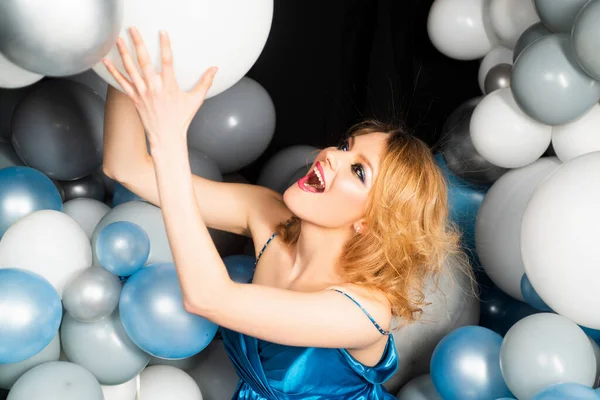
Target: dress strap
x=264 y=248
x=383 y=332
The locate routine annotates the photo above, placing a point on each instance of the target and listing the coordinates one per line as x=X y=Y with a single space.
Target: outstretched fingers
x=130 y=67
x=120 y=78
x=205 y=83
x=166 y=53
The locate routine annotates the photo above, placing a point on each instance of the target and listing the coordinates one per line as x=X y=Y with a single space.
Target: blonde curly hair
x=409 y=236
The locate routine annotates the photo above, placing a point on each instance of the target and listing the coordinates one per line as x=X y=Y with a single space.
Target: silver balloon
x=9 y=373
x=92 y=295
x=203 y=166
x=530 y=35
x=497 y=78
x=8 y=157
x=235 y=127
x=60 y=37
x=549 y=86
x=277 y=172
x=58 y=129
x=56 y=380
x=420 y=388
x=90 y=187
x=585 y=38
x=214 y=372
x=559 y=15
x=103 y=348
x=458 y=150
x=86 y=212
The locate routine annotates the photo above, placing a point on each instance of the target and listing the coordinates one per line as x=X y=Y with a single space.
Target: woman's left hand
x=165 y=110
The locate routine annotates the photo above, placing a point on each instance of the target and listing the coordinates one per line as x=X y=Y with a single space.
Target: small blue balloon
x=531 y=296
x=153 y=316
x=458 y=361
x=122 y=248
x=24 y=190
x=30 y=314
x=240 y=268
x=562 y=391
x=123 y=195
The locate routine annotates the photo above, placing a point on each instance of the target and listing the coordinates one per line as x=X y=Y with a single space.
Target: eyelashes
x=357 y=169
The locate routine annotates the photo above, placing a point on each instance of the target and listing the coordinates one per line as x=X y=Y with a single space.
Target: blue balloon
x=122 y=248
x=464 y=201
x=240 y=267
x=562 y=391
x=30 y=314
x=531 y=296
x=123 y=195
x=151 y=308
x=499 y=312
x=465 y=365
x=24 y=190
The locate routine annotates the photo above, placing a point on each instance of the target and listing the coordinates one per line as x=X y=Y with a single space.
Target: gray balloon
x=203 y=166
x=8 y=157
x=297 y=175
x=58 y=129
x=61 y=37
x=9 y=98
x=92 y=295
x=458 y=150
x=92 y=80
x=214 y=372
x=86 y=212
x=277 y=172
x=498 y=77
x=530 y=35
x=9 y=373
x=559 y=15
x=235 y=127
x=549 y=86
x=149 y=218
x=56 y=380
x=103 y=348
x=90 y=187
x=420 y=388
x=585 y=38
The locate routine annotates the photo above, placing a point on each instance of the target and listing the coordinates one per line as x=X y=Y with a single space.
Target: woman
x=349 y=245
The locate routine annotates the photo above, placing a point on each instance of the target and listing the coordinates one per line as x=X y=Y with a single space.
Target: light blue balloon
x=240 y=267
x=153 y=316
x=531 y=296
x=123 y=195
x=30 y=314
x=562 y=391
x=453 y=361
x=122 y=248
x=24 y=190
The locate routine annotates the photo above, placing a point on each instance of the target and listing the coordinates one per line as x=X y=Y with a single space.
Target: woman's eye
x=343 y=146
x=359 y=171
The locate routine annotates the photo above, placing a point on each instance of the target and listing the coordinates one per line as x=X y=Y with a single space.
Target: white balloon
x=504 y=135
x=12 y=76
x=160 y=382
x=510 y=18
x=86 y=212
x=579 y=137
x=420 y=388
x=460 y=28
x=229 y=34
x=49 y=243
x=124 y=391
x=498 y=55
x=559 y=240
x=452 y=305
x=498 y=224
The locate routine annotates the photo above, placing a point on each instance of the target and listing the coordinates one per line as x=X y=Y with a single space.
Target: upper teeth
x=318 y=173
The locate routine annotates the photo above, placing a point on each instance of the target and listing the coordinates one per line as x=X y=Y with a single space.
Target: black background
x=330 y=64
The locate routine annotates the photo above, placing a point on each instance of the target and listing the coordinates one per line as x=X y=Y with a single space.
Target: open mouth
x=314 y=181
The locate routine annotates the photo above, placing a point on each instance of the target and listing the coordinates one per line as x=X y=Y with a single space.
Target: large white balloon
x=49 y=243
x=227 y=33
x=579 y=137
x=12 y=76
x=498 y=55
x=460 y=28
x=498 y=226
x=559 y=240
x=504 y=135
x=510 y=18
x=160 y=382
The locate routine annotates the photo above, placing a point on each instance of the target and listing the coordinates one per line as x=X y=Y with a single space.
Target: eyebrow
x=362 y=156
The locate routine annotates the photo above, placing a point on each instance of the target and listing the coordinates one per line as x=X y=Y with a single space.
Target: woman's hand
x=165 y=110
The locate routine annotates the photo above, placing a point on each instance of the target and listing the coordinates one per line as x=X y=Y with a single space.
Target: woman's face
x=335 y=191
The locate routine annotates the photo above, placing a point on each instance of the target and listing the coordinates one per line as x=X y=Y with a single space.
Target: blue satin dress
x=271 y=371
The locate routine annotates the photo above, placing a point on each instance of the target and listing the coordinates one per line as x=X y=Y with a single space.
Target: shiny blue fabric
x=270 y=371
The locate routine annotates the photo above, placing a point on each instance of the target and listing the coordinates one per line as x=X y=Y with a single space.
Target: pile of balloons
x=522 y=163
